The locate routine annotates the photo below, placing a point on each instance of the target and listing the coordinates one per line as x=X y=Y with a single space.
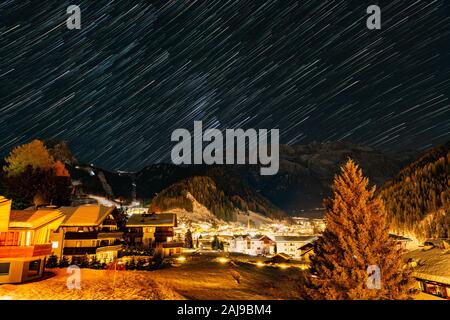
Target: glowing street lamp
x=223 y=260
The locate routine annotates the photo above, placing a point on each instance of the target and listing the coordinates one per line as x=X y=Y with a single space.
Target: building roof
x=260 y=237
x=85 y=216
x=5 y=208
x=280 y=257
x=32 y=219
x=399 y=238
x=294 y=238
x=430 y=264
x=152 y=219
x=306 y=248
x=3 y=199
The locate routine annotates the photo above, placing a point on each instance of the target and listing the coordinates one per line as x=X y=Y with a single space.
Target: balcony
x=110 y=235
x=109 y=248
x=93 y=235
x=171 y=244
x=79 y=251
x=25 y=251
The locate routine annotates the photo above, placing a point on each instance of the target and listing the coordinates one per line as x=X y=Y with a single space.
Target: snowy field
x=197 y=278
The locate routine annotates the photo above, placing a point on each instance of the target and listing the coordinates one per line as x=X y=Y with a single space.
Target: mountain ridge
x=304 y=180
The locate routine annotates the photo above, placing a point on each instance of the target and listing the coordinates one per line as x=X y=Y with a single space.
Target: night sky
x=137 y=70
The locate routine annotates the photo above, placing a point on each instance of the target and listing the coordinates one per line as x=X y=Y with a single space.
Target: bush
x=64 y=262
x=157 y=259
x=52 y=262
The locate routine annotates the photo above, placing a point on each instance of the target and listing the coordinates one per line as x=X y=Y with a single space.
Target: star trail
x=137 y=70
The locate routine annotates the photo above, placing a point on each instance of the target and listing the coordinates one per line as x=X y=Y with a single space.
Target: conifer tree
x=188 y=242
x=356 y=238
x=215 y=243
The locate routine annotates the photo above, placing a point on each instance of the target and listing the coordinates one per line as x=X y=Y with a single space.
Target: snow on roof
x=260 y=237
x=32 y=219
x=294 y=238
x=155 y=219
x=281 y=256
x=399 y=238
x=3 y=199
x=432 y=264
x=86 y=215
x=307 y=247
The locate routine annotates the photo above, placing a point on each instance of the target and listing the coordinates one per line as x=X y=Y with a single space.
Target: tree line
x=418 y=198
x=32 y=176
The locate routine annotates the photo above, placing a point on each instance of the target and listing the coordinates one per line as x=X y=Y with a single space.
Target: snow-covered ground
x=198 y=277
x=103 y=201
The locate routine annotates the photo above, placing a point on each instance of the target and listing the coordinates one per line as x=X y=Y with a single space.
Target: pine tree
x=52 y=262
x=215 y=244
x=355 y=238
x=188 y=242
x=64 y=262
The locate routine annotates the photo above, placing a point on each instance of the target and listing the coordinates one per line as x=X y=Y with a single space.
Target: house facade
x=25 y=241
x=238 y=244
x=87 y=232
x=154 y=230
x=306 y=252
x=260 y=245
x=291 y=245
x=254 y=246
x=431 y=270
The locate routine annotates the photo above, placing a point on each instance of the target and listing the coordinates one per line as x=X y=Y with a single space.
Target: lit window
x=28 y=240
x=55 y=244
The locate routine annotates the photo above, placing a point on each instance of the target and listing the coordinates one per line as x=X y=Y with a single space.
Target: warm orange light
x=283 y=266
x=28 y=239
x=260 y=264
x=181 y=259
x=223 y=260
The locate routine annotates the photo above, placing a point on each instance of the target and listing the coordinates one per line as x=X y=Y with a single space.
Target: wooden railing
x=92 y=235
x=25 y=251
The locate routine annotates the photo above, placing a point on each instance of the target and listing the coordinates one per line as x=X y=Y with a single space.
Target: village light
x=260 y=264
x=223 y=260
x=303 y=267
x=181 y=259
x=283 y=266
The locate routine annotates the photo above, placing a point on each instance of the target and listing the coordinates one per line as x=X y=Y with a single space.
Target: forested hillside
x=418 y=198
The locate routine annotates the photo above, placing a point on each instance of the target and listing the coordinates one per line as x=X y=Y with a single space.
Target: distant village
x=98 y=236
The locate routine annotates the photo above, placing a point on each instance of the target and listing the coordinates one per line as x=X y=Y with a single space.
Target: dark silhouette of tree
x=215 y=243
x=32 y=177
x=188 y=242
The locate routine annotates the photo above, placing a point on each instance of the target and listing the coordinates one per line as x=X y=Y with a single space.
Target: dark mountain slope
x=418 y=198
x=304 y=179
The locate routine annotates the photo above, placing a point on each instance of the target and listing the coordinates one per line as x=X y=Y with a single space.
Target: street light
x=223 y=260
